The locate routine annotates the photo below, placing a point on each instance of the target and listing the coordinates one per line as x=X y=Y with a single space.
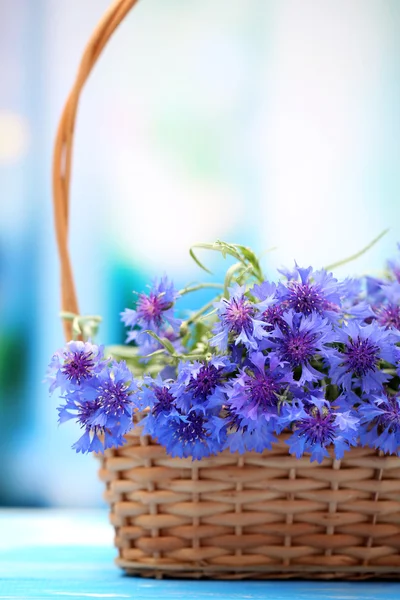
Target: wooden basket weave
x=233 y=516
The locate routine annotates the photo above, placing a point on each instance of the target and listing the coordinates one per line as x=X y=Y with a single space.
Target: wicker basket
x=233 y=516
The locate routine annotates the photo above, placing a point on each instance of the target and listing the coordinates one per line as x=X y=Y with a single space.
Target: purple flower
x=265 y=291
x=155 y=312
x=388 y=311
x=85 y=411
x=354 y=304
x=201 y=384
x=273 y=317
x=164 y=400
x=357 y=363
x=115 y=387
x=247 y=435
x=255 y=393
x=101 y=406
x=320 y=427
x=196 y=434
x=309 y=291
x=300 y=342
x=239 y=321
x=374 y=288
x=380 y=421
x=389 y=316
x=271 y=309
x=154 y=394
x=204 y=382
x=77 y=363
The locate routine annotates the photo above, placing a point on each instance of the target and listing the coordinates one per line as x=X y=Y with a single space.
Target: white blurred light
x=164 y=212
x=318 y=133
x=14 y=136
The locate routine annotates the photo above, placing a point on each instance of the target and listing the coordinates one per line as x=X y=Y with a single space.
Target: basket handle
x=62 y=156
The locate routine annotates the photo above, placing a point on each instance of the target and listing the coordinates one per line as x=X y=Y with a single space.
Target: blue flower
x=354 y=303
x=75 y=364
x=388 y=311
x=155 y=395
x=380 y=421
x=309 y=291
x=82 y=410
x=363 y=348
x=201 y=384
x=196 y=434
x=300 y=342
x=115 y=387
x=101 y=406
x=155 y=308
x=320 y=427
x=239 y=321
x=271 y=309
x=255 y=392
x=154 y=312
x=389 y=316
x=247 y=435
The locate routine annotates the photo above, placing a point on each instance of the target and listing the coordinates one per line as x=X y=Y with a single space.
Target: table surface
x=69 y=554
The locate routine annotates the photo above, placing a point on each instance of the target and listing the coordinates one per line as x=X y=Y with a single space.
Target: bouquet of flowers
x=307 y=354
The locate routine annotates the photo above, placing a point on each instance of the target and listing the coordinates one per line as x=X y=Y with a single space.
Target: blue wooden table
x=69 y=554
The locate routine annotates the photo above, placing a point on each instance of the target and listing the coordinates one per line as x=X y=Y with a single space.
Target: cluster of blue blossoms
x=311 y=356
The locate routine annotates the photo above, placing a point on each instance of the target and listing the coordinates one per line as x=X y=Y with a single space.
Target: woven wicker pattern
x=256 y=515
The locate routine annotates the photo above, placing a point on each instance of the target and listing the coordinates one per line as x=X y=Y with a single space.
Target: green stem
x=357 y=254
x=200 y=312
x=71 y=316
x=236 y=267
x=200 y=286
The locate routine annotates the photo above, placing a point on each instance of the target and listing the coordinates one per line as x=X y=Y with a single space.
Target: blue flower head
x=255 y=393
x=354 y=303
x=154 y=312
x=363 y=348
x=101 y=406
x=75 y=364
x=202 y=384
x=380 y=423
x=388 y=311
x=300 y=341
x=248 y=435
x=270 y=307
x=115 y=387
x=309 y=291
x=320 y=427
x=196 y=434
x=154 y=394
x=239 y=321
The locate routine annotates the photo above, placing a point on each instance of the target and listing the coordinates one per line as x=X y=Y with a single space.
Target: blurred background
x=271 y=123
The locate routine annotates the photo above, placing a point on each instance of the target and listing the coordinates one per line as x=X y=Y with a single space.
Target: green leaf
x=242 y=254
x=221 y=247
x=163 y=341
x=76 y=328
x=68 y=316
x=196 y=260
x=235 y=268
x=123 y=351
x=199 y=334
x=200 y=286
x=198 y=314
x=249 y=255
